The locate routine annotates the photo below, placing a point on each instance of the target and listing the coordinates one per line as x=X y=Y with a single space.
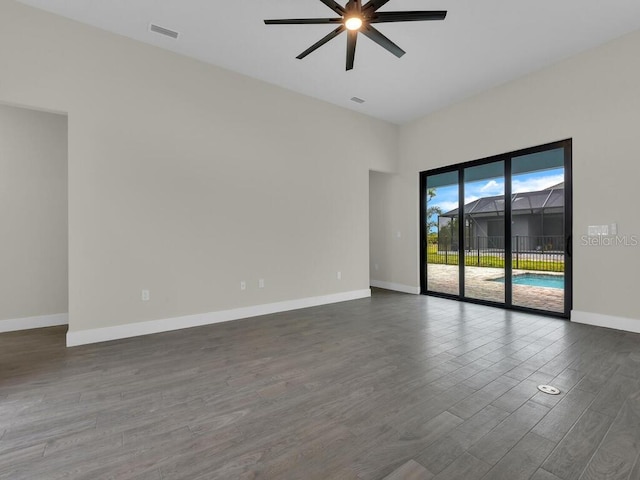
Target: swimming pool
x=536 y=280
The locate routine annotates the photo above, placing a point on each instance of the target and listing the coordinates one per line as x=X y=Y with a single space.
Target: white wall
x=186 y=179
x=593 y=98
x=33 y=216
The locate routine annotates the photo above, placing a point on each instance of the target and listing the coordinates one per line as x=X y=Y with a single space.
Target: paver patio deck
x=480 y=284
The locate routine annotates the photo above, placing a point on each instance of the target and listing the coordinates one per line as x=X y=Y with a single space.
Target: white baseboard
x=608 y=321
x=96 y=335
x=398 y=287
x=28 y=323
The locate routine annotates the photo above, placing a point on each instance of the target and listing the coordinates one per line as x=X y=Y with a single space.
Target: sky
x=447 y=197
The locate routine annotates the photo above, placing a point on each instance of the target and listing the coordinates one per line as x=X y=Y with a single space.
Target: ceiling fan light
x=353 y=23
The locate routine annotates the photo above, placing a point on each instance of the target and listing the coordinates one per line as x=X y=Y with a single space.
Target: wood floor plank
x=483 y=397
x=614 y=393
x=465 y=466
x=350 y=391
x=595 y=379
x=619 y=450
x=635 y=473
x=410 y=471
x=567 y=379
x=521 y=462
x=493 y=446
x=574 y=451
x=13 y=462
x=542 y=474
x=514 y=398
x=441 y=454
x=560 y=419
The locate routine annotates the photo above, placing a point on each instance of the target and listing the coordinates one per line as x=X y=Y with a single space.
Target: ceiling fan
x=354 y=18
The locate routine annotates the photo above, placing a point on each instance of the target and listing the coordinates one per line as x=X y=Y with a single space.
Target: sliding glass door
x=441 y=233
x=484 y=232
x=498 y=230
x=538 y=230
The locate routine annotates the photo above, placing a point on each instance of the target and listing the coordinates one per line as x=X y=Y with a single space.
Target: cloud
x=536 y=183
x=445 y=206
x=493 y=188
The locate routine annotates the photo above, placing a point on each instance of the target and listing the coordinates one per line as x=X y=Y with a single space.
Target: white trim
x=398 y=287
x=27 y=323
x=105 y=334
x=608 y=321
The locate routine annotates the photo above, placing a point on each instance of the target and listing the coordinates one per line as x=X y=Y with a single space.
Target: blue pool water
x=537 y=280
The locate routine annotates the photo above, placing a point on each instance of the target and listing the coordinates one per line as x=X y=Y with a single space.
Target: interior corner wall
x=388 y=232
x=33 y=209
x=593 y=98
x=379 y=243
x=186 y=179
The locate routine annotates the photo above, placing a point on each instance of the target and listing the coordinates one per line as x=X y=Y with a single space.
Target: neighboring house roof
x=550 y=200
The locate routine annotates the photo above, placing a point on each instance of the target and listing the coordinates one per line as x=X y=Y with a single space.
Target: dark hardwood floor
x=403 y=386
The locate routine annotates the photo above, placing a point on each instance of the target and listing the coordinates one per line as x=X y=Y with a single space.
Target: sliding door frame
x=568 y=228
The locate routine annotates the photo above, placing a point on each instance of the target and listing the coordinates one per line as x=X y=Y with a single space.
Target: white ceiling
x=481 y=44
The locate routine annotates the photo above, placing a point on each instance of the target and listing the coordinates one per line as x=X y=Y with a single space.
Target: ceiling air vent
x=357 y=100
x=164 y=31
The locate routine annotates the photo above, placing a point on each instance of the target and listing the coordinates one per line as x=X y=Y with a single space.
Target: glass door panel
x=442 y=241
x=484 y=232
x=538 y=230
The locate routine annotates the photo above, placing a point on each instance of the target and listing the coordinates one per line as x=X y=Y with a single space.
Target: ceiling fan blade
x=384 y=17
x=336 y=7
x=383 y=41
x=321 y=42
x=352 y=39
x=374 y=5
x=302 y=21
